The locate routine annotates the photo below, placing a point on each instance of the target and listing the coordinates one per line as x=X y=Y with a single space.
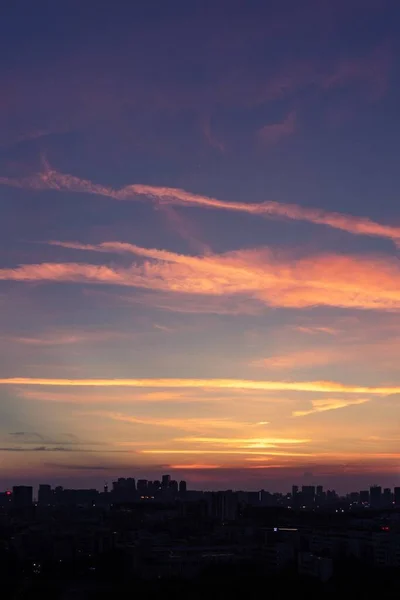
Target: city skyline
x=200 y=235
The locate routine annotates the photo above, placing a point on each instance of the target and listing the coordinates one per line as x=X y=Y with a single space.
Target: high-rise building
x=308 y=495
x=397 y=496
x=124 y=490
x=173 y=486
x=142 y=486
x=59 y=494
x=22 y=496
x=296 y=496
x=5 y=499
x=131 y=484
x=387 y=497
x=165 y=481
x=319 y=490
x=331 y=497
x=45 y=495
x=182 y=488
x=364 y=497
x=375 y=496
x=224 y=506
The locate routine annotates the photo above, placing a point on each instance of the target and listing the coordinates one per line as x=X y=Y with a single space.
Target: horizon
x=200 y=235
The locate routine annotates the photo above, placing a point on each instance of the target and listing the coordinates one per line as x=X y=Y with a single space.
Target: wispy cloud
x=64 y=338
x=328 y=404
x=53 y=180
x=301 y=359
x=246 y=443
x=188 y=424
x=208 y=384
x=273 y=133
x=178 y=303
x=70 y=397
x=167 y=451
x=313 y=330
x=383 y=353
x=194 y=466
x=185 y=228
x=272 y=278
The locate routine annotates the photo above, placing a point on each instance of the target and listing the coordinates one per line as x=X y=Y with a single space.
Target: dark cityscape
x=160 y=536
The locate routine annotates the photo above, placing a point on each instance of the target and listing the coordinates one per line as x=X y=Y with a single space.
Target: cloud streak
x=208 y=384
x=246 y=443
x=272 y=278
x=240 y=452
x=327 y=405
x=188 y=424
x=60 y=338
x=54 y=180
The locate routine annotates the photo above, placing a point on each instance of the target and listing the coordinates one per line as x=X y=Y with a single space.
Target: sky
x=199 y=236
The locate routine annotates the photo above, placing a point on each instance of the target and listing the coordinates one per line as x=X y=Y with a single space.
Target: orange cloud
x=195 y=466
x=300 y=359
x=108 y=398
x=271 y=278
x=316 y=330
x=208 y=384
x=268 y=442
x=328 y=404
x=241 y=452
x=53 y=180
x=384 y=353
x=188 y=424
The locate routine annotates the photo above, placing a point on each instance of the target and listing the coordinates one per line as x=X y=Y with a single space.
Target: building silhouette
x=22 y=496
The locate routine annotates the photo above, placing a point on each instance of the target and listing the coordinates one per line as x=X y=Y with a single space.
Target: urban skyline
x=125 y=489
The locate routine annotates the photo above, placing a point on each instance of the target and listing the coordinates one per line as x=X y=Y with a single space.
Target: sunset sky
x=199 y=242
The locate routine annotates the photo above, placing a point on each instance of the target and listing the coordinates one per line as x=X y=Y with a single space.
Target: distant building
x=354 y=497
x=308 y=495
x=142 y=486
x=375 y=495
x=58 y=494
x=331 y=497
x=45 y=495
x=124 y=490
x=182 y=488
x=5 y=499
x=22 y=496
x=173 y=486
x=364 y=497
x=224 y=506
x=315 y=566
x=165 y=481
x=387 y=497
x=397 y=496
x=295 y=496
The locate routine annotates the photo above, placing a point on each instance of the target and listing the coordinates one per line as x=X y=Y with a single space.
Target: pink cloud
x=53 y=180
x=274 y=133
x=271 y=278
